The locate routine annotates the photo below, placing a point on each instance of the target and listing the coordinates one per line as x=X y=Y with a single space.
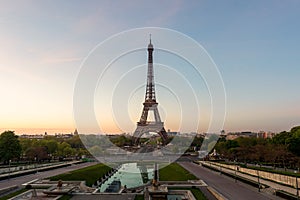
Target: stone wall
x=284 y=179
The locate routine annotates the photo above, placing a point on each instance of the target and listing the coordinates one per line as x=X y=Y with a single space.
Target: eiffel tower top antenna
x=150 y=88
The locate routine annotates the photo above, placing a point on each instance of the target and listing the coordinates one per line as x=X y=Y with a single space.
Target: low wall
x=280 y=178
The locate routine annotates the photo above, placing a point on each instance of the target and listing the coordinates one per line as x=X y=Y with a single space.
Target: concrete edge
x=29 y=182
x=216 y=193
x=8 y=189
x=30 y=191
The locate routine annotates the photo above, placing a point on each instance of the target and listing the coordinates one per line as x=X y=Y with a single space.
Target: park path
x=227 y=186
x=41 y=175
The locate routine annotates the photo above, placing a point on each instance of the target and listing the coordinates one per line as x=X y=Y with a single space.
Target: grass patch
x=89 y=174
x=13 y=194
x=174 y=172
x=198 y=194
x=139 y=197
x=65 y=197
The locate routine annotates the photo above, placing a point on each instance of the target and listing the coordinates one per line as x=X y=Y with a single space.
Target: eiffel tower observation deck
x=150 y=105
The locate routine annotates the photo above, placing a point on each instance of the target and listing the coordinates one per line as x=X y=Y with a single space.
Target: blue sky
x=255 y=45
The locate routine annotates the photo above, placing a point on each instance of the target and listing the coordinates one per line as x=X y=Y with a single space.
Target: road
x=225 y=185
x=40 y=175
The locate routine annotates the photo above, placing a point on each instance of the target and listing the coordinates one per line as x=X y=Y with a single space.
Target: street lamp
x=235 y=169
x=297 y=189
x=258 y=181
x=9 y=169
x=35 y=165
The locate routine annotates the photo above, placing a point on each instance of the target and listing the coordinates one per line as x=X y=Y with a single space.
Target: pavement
x=226 y=186
x=41 y=175
x=43 y=167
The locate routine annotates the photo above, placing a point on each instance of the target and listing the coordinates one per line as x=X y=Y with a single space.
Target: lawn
x=198 y=194
x=65 y=197
x=89 y=174
x=139 y=197
x=174 y=172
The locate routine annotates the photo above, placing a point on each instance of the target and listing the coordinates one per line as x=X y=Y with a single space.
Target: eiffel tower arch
x=150 y=105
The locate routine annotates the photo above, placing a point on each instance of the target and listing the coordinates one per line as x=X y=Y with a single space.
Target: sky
x=255 y=45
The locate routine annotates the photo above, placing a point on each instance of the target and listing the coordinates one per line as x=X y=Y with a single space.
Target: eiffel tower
x=150 y=105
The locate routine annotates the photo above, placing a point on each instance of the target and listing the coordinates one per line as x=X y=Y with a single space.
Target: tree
x=37 y=153
x=25 y=144
x=52 y=146
x=75 y=142
x=68 y=151
x=293 y=144
x=96 y=150
x=281 y=138
x=295 y=129
x=61 y=147
x=197 y=142
x=10 y=147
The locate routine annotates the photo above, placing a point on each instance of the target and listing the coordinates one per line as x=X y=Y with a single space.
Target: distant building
x=232 y=136
x=63 y=135
x=41 y=136
x=223 y=134
x=172 y=133
x=265 y=135
x=261 y=134
x=31 y=136
x=270 y=134
x=200 y=135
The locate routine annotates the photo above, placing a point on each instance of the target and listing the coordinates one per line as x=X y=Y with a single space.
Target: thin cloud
x=166 y=16
x=61 y=60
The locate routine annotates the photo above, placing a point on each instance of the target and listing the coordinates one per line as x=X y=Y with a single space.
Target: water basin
x=130 y=175
x=174 y=197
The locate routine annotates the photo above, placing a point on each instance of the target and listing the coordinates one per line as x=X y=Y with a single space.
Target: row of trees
x=282 y=150
x=13 y=148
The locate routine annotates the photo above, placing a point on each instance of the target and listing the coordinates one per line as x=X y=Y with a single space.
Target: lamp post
x=9 y=169
x=258 y=181
x=35 y=165
x=235 y=168
x=297 y=189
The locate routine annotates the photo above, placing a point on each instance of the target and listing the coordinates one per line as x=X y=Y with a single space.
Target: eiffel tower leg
x=163 y=135
x=155 y=127
x=140 y=130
